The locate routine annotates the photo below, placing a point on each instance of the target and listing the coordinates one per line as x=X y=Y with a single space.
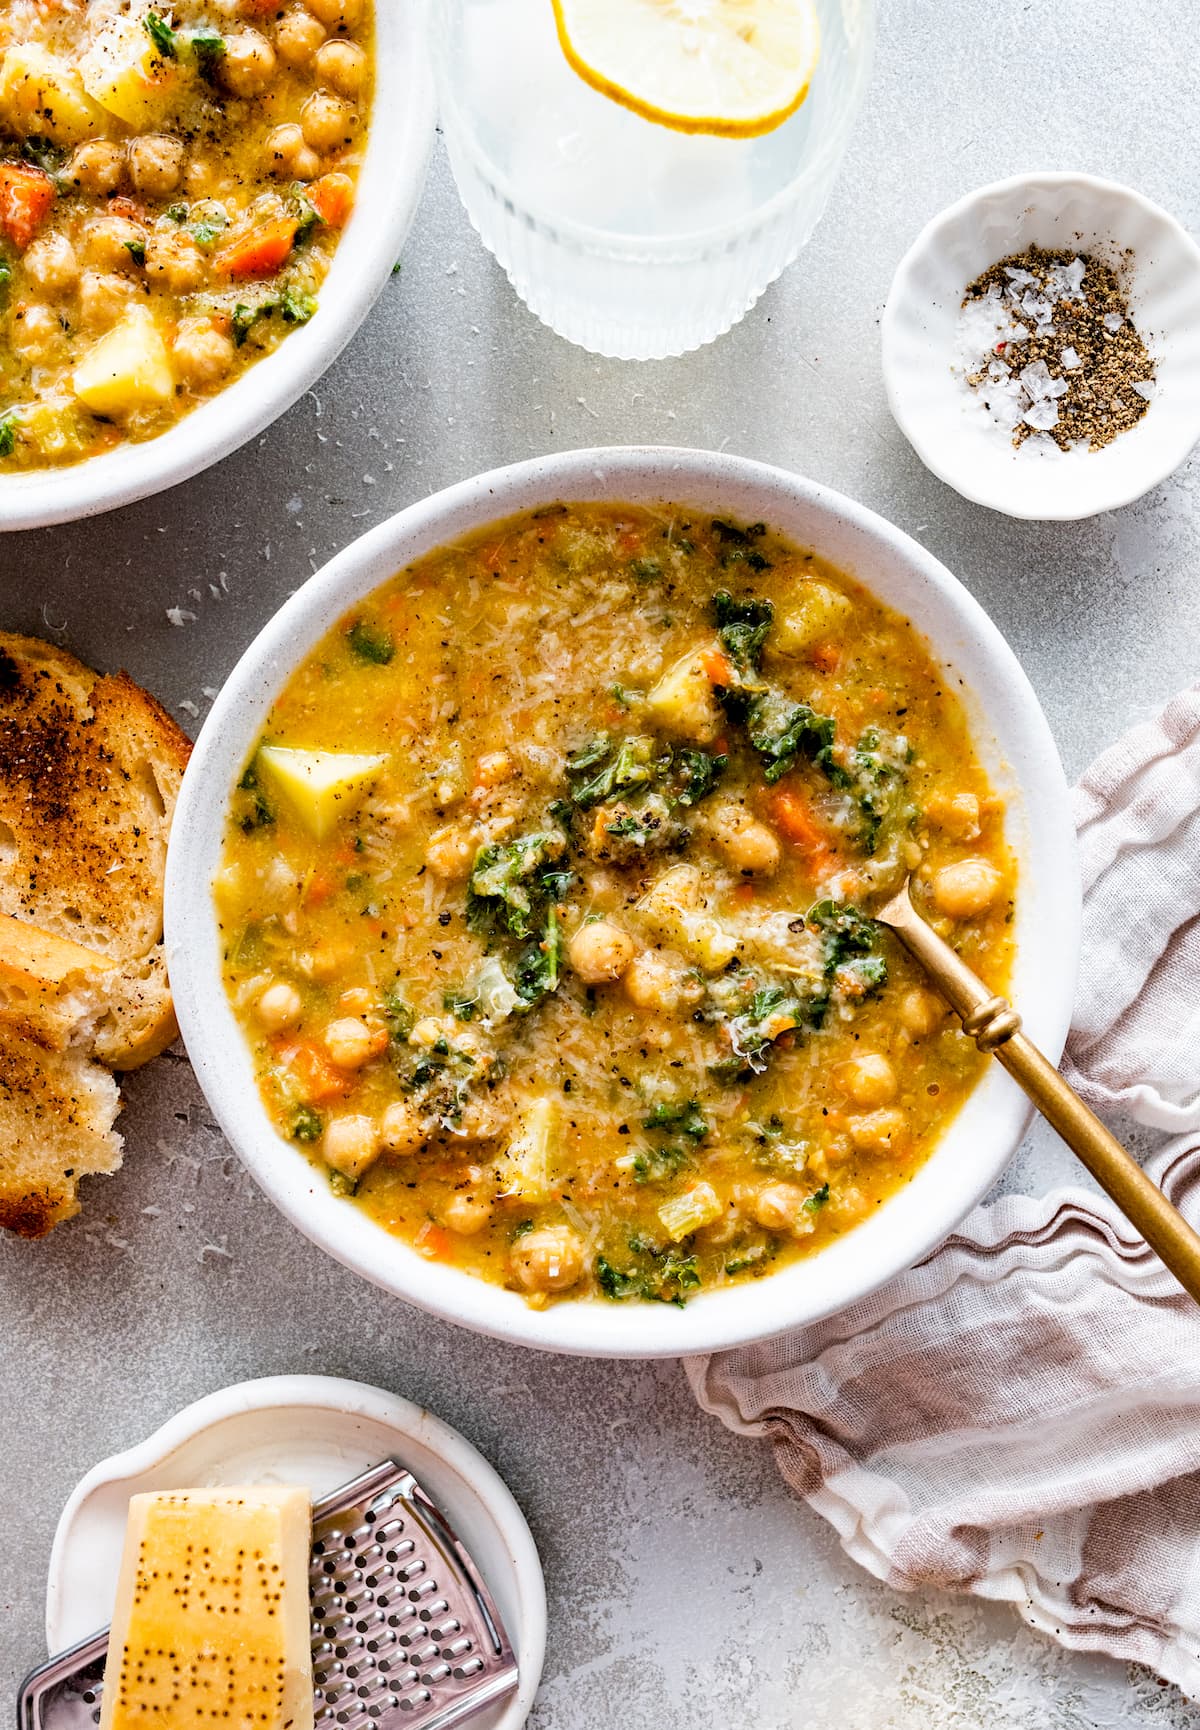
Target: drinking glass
x=625 y=236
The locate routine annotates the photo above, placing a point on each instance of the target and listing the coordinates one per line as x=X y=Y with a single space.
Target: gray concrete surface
x=686 y=1588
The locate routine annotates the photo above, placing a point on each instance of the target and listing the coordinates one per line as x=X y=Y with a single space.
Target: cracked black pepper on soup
x=545 y=903
x=1046 y=341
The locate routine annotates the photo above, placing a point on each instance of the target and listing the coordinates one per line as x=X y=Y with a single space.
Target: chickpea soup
x=545 y=903
x=173 y=180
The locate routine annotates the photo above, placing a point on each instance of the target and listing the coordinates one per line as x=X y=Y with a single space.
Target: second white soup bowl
x=1013 y=740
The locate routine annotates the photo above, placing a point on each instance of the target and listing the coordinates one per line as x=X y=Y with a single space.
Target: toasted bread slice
x=57 y=1111
x=51 y=990
x=90 y=769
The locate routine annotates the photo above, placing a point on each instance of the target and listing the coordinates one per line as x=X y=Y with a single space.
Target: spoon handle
x=995 y=1028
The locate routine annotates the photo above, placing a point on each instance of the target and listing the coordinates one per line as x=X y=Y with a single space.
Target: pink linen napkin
x=1019 y=1416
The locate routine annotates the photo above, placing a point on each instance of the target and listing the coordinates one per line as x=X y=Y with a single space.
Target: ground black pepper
x=1081 y=372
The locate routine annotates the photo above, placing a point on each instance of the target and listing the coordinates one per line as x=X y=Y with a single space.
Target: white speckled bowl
x=931 y=404
x=389 y=189
x=1014 y=742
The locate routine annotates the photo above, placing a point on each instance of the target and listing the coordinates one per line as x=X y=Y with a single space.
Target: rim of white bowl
x=391 y=181
x=1010 y=730
x=928 y=241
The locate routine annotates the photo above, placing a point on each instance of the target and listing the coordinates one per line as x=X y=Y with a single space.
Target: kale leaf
x=618 y=764
x=161 y=34
x=511 y=880
x=700 y=773
x=742 y=627
x=370 y=644
x=684 y=1116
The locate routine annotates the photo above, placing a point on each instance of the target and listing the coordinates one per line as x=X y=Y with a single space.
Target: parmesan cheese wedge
x=212 y=1622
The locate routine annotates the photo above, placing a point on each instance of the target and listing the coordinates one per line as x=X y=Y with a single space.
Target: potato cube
x=126 y=370
x=815 y=610
x=682 y=702
x=43 y=97
x=128 y=76
x=319 y=787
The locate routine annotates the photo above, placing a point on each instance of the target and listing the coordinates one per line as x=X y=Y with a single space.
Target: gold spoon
x=995 y=1027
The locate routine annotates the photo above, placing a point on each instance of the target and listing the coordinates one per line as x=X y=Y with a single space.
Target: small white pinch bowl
x=319 y=1431
x=1158 y=265
x=390 y=184
x=1013 y=741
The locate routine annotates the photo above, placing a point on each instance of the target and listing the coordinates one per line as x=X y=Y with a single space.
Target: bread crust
x=90 y=770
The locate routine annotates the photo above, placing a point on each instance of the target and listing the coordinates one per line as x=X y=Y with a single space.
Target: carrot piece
x=796 y=823
x=320 y=888
x=743 y=892
x=825 y=657
x=718 y=668
x=261 y=252
x=314 y=1076
x=433 y=1242
x=26 y=194
x=129 y=208
x=332 y=197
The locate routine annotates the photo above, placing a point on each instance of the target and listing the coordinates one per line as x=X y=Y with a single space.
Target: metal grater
x=404 y=1631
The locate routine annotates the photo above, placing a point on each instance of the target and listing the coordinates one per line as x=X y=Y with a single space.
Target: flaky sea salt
x=1049 y=354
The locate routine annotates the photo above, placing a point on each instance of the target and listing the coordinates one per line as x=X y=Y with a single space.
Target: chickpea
x=449 y=854
x=248 y=63
x=155 y=164
x=34 y=331
x=199 y=177
x=298 y=35
x=965 y=889
x=920 y=1012
x=427 y=1031
x=51 y=265
x=747 y=844
x=956 y=813
x=466 y=1212
x=781 y=1207
x=401 y=1130
x=103 y=299
x=878 y=1131
x=343 y=66
x=350 y=1144
x=494 y=767
x=325 y=960
x=280 y=1006
x=868 y=1078
x=653 y=982
x=547 y=1259
x=349 y=1042
x=96 y=167
x=110 y=242
x=340 y=14
x=176 y=261
x=326 y=121
x=286 y=154
x=600 y=952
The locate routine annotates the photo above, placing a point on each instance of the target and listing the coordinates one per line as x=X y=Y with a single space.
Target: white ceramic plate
x=389 y=189
x=313 y=1430
x=1159 y=266
x=1010 y=733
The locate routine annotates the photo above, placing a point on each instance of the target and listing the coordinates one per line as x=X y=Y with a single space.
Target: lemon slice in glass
x=734 y=68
